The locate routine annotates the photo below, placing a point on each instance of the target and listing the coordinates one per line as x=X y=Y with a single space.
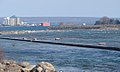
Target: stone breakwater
x=12 y=66
x=63 y=28
x=29 y=31
x=21 y=31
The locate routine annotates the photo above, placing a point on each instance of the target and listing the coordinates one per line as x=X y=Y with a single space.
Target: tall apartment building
x=12 y=21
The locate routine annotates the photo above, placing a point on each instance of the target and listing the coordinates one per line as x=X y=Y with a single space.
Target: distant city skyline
x=60 y=8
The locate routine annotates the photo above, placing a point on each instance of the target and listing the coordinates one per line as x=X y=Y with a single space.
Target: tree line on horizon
x=106 y=21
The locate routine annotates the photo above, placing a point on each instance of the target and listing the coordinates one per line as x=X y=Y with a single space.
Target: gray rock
x=2 y=67
x=43 y=67
x=13 y=68
x=24 y=64
x=25 y=70
x=47 y=66
x=8 y=62
x=39 y=69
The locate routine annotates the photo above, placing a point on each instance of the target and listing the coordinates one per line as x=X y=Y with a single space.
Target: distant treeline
x=105 y=20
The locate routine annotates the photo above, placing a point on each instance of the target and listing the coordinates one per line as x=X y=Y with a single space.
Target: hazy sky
x=63 y=8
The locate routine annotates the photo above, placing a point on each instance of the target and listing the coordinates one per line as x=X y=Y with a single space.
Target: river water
x=67 y=58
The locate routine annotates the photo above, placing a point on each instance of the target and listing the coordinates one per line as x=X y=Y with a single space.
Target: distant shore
x=62 y=28
x=101 y=27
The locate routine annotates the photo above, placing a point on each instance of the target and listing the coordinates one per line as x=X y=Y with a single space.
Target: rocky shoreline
x=62 y=28
x=28 y=31
x=100 y=27
x=13 y=66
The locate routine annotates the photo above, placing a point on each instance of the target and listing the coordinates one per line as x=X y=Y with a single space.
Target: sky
x=60 y=8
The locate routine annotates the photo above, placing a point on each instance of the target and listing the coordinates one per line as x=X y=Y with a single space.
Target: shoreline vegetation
x=66 y=27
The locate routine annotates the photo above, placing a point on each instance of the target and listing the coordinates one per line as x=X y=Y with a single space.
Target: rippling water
x=66 y=58
x=110 y=37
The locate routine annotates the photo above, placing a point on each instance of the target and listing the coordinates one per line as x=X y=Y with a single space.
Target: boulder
x=8 y=62
x=25 y=70
x=2 y=67
x=39 y=69
x=24 y=64
x=13 y=68
x=36 y=69
x=46 y=66
x=43 y=67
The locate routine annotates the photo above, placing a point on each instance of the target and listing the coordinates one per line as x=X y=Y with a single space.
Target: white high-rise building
x=12 y=21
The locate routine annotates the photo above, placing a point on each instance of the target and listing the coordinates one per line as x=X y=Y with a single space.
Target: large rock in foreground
x=43 y=67
x=12 y=66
